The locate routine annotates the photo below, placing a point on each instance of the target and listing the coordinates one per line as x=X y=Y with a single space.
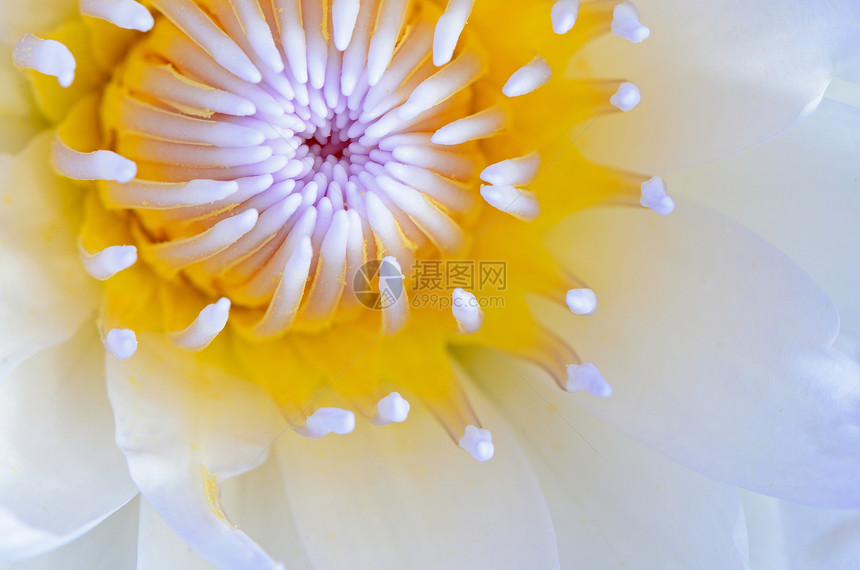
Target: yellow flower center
x=273 y=181
x=269 y=183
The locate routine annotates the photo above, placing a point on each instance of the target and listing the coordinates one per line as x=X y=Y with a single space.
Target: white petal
x=21 y=120
x=792 y=536
x=718 y=350
x=614 y=502
x=108 y=546
x=848 y=9
x=843 y=92
x=717 y=80
x=848 y=63
x=19 y=18
x=800 y=192
x=159 y=547
x=407 y=497
x=184 y=424
x=46 y=293
x=55 y=419
x=257 y=502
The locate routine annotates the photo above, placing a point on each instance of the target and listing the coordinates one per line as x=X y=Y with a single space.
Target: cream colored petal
x=60 y=471
x=46 y=295
x=715 y=77
x=20 y=121
x=185 y=425
x=847 y=8
x=404 y=496
x=22 y=17
x=789 y=536
x=614 y=502
x=257 y=504
x=159 y=548
x=109 y=546
x=801 y=192
x=718 y=350
x=848 y=66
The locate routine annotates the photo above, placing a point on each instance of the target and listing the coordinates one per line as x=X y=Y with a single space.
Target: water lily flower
x=281 y=267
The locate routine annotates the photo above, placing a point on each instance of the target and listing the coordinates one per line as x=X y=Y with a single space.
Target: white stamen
x=328 y=285
x=627 y=97
x=519 y=203
x=564 y=14
x=384 y=95
x=45 y=56
x=258 y=34
x=625 y=23
x=526 y=79
x=249 y=187
x=481 y=125
x=191 y=19
x=159 y=123
x=395 y=308
x=271 y=221
x=182 y=252
x=392 y=142
x=432 y=221
x=581 y=301
x=386 y=233
x=164 y=195
x=478 y=442
x=328 y=420
x=126 y=14
x=355 y=55
x=344 y=14
x=355 y=252
x=190 y=58
x=98 y=165
x=288 y=13
x=442 y=85
x=391 y=16
x=514 y=171
x=182 y=93
x=317 y=48
x=121 y=343
x=109 y=261
x=467 y=311
x=392 y=409
x=288 y=295
x=433 y=185
x=587 y=377
x=448 y=30
x=208 y=324
x=453 y=165
x=654 y=196
x=266 y=284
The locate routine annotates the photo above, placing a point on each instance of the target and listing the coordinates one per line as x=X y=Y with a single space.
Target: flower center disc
x=274 y=161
